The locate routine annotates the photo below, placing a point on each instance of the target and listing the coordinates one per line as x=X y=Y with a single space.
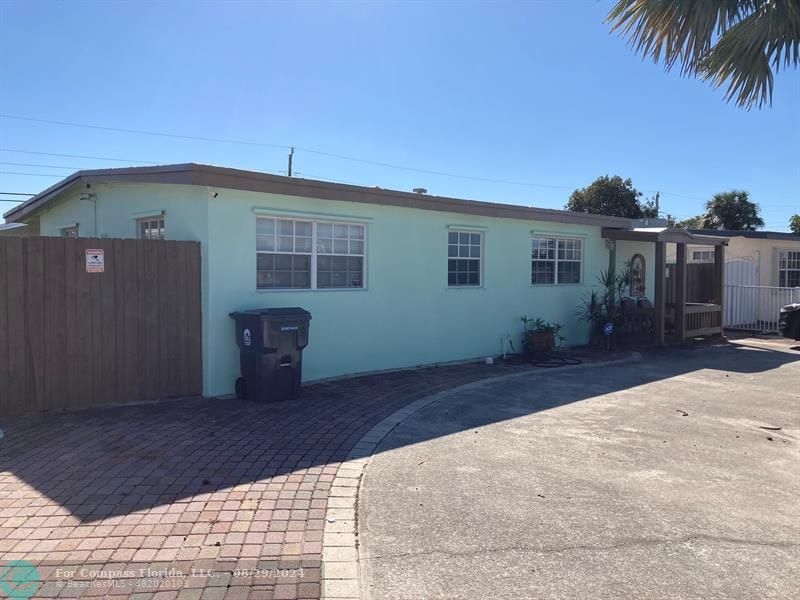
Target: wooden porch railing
x=703 y=319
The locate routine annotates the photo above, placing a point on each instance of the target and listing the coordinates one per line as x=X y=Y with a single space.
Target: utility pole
x=291 y=155
x=658 y=212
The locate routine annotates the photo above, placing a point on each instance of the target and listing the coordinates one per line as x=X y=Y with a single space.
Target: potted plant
x=539 y=336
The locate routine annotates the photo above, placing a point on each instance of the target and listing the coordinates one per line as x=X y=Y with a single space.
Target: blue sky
x=537 y=92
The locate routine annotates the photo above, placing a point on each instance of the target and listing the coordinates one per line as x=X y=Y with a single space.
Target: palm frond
x=733 y=42
x=745 y=54
x=676 y=30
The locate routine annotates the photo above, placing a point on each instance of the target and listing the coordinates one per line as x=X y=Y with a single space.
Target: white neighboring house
x=762 y=273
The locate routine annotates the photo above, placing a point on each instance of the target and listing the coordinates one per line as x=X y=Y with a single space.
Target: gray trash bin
x=271 y=342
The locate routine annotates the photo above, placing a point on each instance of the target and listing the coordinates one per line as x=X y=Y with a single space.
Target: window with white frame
x=151 y=228
x=789 y=268
x=464 y=258
x=71 y=231
x=702 y=256
x=340 y=255
x=556 y=260
x=302 y=254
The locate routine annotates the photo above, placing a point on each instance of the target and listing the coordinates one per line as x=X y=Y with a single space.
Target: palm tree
x=732 y=210
x=738 y=42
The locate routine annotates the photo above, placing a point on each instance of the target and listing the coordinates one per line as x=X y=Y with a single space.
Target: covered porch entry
x=682 y=308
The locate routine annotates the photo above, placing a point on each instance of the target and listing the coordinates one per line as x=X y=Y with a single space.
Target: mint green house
x=392 y=279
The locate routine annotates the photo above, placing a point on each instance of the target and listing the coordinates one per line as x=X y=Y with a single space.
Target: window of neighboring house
x=464 y=258
x=151 y=228
x=638 y=276
x=301 y=254
x=556 y=261
x=702 y=256
x=789 y=269
x=71 y=232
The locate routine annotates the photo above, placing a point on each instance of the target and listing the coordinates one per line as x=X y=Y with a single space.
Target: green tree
x=737 y=43
x=612 y=196
x=649 y=209
x=794 y=224
x=690 y=223
x=732 y=210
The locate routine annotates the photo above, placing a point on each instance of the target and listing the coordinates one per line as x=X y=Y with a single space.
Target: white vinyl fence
x=756 y=308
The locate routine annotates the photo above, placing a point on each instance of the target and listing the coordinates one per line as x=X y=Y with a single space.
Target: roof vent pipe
x=420 y=191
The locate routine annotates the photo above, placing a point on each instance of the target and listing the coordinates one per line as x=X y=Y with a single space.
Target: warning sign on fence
x=95 y=260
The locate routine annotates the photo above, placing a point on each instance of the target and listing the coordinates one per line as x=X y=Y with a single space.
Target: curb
x=340 y=574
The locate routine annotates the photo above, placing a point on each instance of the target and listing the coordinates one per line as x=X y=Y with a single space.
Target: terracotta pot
x=541 y=341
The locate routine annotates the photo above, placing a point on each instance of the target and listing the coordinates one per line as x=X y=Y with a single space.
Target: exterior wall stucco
x=119 y=205
x=406 y=316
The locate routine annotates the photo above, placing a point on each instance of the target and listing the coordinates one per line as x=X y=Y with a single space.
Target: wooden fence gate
x=69 y=338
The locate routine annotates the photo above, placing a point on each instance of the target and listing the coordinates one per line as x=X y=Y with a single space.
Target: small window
x=702 y=256
x=70 y=232
x=789 y=269
x=151 y=228
x=464 y=258
x=638 y=276
x=556 y=261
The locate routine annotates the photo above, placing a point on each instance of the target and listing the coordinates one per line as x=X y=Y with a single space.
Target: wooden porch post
x=660 y=292
x=681 y=293
x=719 y=275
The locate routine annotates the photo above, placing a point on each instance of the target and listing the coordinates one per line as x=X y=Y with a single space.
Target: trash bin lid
x=274 y=313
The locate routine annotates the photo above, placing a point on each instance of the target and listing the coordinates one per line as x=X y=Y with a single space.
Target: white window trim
x=778 y=253
x=557 y=238
x=480 y=259
x=307 y=215
x=260 y=214
x=70 y=227
x=692 y=249
x=150 y=217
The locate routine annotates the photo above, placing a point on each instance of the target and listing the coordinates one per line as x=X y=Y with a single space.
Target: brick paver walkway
x=191 y=498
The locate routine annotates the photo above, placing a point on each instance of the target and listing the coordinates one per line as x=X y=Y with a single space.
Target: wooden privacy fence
x=699 y=283
x=70 y=338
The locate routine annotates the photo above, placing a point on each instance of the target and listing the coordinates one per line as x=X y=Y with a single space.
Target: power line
x=144 y=132
x=31 y=174
x=286 y=146
x=15 y=194
x=123 y=160
x=16 y=164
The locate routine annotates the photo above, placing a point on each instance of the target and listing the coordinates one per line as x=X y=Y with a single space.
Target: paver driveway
x=654 y=480
x=190 y=498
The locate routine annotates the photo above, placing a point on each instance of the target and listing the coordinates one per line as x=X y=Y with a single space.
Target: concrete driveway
x=675 y=477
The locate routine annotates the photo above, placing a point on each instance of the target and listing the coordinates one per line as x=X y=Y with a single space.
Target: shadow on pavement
x=114 y=461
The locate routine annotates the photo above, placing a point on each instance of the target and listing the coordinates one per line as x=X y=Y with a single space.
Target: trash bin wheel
x=241 y=388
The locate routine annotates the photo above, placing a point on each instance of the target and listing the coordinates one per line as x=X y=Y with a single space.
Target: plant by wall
x=539 y=336
x=601 y=306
